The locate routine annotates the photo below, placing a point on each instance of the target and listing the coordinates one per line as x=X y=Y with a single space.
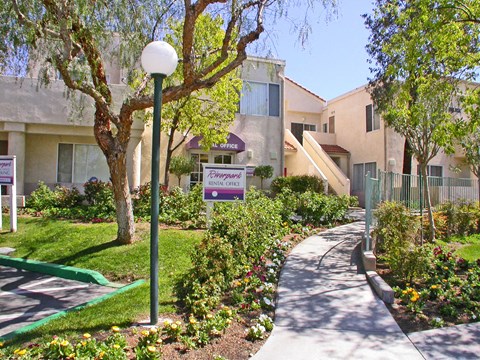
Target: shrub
x=462 y=218
x=141 y=198
x=42 y=198
x=214 y=268
x=99 y=196
x=52 y=201
x=67 y=197
x=288 y=203
x=181 y=165
x=263 y=172
x=240 y=236
x=320 y=209
x=186 y=208
x=300 y=184
x=395 y=235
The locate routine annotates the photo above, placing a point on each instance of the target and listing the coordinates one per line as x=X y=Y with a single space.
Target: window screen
x=78 y=163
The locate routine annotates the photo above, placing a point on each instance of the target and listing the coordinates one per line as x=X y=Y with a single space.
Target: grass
x=467 y=247
x=92 y=246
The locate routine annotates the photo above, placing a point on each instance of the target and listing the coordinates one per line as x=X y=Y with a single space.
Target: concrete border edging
x=383 y=290
x=63 y=271
x=41 y=322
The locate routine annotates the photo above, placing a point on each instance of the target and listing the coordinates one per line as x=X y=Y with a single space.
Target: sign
x=7 y=177
x=7 y=171
x=251 y=171
x=223 y=182
x=234 y=143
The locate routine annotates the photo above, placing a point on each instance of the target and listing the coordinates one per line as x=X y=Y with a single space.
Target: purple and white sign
x=234 y=143
x=7 y=171
x=223 y=182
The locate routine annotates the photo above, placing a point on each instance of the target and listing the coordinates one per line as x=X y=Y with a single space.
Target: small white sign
x=224 y=182
x=7 y=171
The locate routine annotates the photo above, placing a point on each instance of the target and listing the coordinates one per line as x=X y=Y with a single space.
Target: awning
x=234 y=143
x=333 y=149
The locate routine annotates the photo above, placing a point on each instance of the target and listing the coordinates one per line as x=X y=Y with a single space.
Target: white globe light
x=159 y=57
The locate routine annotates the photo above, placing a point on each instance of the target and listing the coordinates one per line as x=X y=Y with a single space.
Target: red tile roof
x=333 y=149
x=289 y=146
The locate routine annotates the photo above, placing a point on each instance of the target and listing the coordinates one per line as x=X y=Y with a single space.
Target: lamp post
x=160 y=60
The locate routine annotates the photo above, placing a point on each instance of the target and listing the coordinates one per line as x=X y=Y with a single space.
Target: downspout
x=385 y=154
x=282 y=117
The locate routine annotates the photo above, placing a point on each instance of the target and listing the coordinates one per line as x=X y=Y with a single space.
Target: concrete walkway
x=327 y=310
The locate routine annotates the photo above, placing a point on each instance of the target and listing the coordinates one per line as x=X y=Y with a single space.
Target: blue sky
x=334 y=60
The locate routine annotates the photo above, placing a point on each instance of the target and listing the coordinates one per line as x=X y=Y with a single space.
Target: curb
x=66 y=272
x=383 y=290
x=43 y=321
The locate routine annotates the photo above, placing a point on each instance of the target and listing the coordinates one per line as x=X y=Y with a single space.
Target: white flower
x=474 y=316
x=437 y=319
x=262 y=318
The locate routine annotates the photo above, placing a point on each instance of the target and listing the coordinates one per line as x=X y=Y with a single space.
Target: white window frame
x=102 y=177
x=211 y=160
x=259 y=109
x=374 y=121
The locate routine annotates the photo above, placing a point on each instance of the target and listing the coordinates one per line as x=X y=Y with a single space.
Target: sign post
x=223 y=182
x=8 y=177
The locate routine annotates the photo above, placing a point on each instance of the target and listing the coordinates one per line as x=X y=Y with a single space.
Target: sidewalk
x=327 y=310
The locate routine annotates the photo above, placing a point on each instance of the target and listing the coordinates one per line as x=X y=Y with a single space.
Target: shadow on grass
x=68 y=260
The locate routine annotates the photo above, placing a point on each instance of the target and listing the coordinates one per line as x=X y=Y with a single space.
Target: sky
x=334 y=61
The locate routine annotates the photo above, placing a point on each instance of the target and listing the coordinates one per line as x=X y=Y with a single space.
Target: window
x=78 y=163
x=260 y=99
x=222 y=159
x=325 y=128
x=372 y=118
x=454 y=110
x=196 y=176
x=432 y=170
x=331 y=124
x=359 y=172
x=299 y=128
x=435 y=173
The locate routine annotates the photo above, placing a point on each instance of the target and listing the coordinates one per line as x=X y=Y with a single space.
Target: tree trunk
x=168 y=159
x=123 y=202
x=115 y=152
x=170 y=151
x=406 y=171
x=478 y=195
x=431 y=222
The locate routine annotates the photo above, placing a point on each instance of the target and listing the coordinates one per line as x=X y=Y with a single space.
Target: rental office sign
x=7 y=170
x=8 y=177
x=222 y=182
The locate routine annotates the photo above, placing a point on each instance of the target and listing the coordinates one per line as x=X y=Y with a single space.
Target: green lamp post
x=160 y=60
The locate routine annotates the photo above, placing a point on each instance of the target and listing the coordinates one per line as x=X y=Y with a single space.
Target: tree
x=181 y=165
x=75 y=39
x=470 y=134
x=416 y=48
x=264 y=172
x=208 y=112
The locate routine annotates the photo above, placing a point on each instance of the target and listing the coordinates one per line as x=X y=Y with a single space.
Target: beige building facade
x=279 y=123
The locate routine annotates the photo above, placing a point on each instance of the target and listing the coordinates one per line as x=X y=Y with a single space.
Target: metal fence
x=409 y=190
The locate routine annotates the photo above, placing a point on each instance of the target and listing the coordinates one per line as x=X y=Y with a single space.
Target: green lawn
x=467 y=247
x=92 y=246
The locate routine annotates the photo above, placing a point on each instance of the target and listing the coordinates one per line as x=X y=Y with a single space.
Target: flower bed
x=448 y=293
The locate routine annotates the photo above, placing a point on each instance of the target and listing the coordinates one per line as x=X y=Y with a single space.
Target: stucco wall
x=350 y=129
x=35 y=119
